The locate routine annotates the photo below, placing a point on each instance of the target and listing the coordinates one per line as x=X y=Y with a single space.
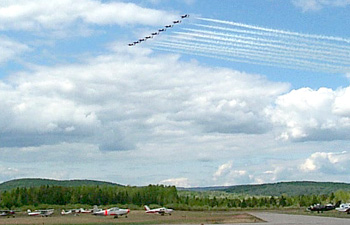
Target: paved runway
x=276 y=219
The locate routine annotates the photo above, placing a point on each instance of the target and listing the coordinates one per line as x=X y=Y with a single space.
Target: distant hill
x=277 y=189
x=37 y=182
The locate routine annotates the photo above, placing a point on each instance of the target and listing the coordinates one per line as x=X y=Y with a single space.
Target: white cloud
x=314 y=5
x=121 y=100
x=10 y=49
x=307 y=114
x=227 y=175
x=223 y=170
x=178 y=182
x=326 y=163
x=58 y=15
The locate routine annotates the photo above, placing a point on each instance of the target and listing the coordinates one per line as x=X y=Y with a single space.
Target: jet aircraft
x=160 y=30
x=162 y=211
x=115 y=211
x=7 y=213
x=46 y=212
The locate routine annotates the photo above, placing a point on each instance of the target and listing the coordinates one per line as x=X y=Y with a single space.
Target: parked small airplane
x=7 y=213
x=75 y=211
x=321 y=208
x=345 y=207
x=46 y=212
x=63 y=212
x=115 y=211
x=160 y=211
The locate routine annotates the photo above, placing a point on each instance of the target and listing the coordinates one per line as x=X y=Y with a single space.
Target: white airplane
x=81 y=210
x=115 y=211
x=7 y=213
x=46 y=212
x=160 y=211
x=76 y=211
x=345 y=207
x=63 y=212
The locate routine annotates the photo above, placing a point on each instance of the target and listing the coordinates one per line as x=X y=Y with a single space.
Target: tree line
x=159 y=195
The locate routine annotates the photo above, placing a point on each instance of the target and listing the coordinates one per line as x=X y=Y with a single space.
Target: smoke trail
x=316 y=47
x=267 y=58
x=257 y=45
x=277 y=31
x=315 y=43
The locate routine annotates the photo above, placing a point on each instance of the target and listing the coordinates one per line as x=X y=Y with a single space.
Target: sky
x=241 y=92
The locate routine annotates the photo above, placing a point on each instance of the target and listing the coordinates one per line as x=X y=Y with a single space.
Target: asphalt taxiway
x=285 y=219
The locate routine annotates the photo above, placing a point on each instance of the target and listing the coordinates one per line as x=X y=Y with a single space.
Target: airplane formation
x=159 y=31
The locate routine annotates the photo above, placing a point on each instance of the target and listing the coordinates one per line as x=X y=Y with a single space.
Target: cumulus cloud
x=10 y=49
x=127 y=98
x=178 y=182
x=58 y=15
x=307 y=114
x=227 y=175
x=326 y=163
x=224 y=169
x=314 y=5
x=319 y=166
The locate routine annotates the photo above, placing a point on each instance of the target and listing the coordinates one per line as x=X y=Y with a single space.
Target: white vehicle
x=46 y=212
x=115 y=211
x=162 y=211
x=345 y=207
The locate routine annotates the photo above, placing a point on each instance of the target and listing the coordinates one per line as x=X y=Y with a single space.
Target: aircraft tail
x=95 y=209
x=337 y=204
x=147 y=208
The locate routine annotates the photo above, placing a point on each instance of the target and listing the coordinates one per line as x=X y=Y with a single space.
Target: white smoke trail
x=262 y=46
x=331 y=38
x=236 y=58
x=339 y=51
x=250 y=54
x=313 y=42
x=257 y=44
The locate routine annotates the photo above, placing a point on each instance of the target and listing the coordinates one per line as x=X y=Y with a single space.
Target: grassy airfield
x=139 y=217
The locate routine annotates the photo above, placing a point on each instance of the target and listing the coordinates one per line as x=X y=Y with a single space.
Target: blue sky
x=267 y=102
